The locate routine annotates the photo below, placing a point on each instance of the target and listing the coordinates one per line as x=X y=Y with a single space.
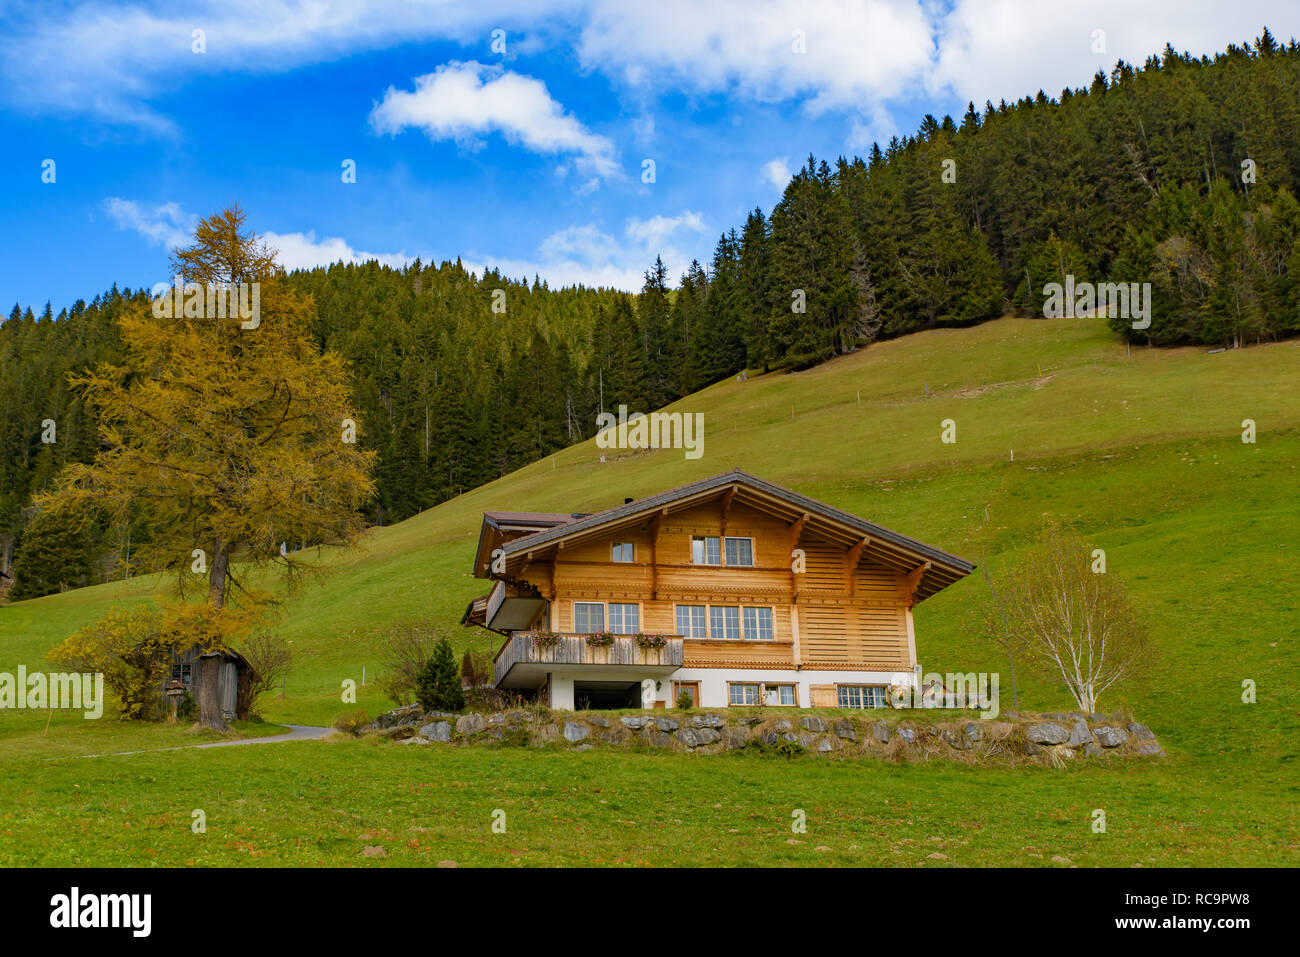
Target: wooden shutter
x=823 y=696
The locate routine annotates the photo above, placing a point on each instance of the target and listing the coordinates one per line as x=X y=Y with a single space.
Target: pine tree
x=438 y=687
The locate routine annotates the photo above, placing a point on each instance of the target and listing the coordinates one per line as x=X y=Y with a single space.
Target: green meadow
x=1142 y=452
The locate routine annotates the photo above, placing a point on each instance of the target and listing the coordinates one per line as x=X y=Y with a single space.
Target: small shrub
x=270 y=659
x=351 y=722
x=684 y=700
x=405 y=650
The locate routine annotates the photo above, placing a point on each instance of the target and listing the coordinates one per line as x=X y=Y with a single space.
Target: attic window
x=705 y=550
x=624 y=552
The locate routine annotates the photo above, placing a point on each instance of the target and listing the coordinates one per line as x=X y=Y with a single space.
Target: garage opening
x=606 y=695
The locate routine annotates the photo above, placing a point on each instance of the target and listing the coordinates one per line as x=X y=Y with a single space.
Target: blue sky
x=529 y=159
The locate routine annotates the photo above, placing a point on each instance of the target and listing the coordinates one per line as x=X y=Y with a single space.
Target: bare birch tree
x=1078 y=621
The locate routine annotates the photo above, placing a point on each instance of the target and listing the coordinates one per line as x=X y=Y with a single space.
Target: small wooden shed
x=233 y=675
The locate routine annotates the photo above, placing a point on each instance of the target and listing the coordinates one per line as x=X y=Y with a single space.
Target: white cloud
x=657 y=230
x=851 y=49
x=111 y=59
x=995 y=49
x=462 y=101
x=777 y=172
x=166 y=224
x=590 y=256
x=305 y=251
x=582 y=254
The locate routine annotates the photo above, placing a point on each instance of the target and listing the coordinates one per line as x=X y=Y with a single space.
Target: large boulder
x=955 y=739
x=470 y=724
x=1150 y=748
x=575 y=731
x=907 y=734
x=688 y=737
x=1141 y=732
x=708 y=735
x=437 y=731
x=666 y=724
x=635 y=721
x=598 y=720
x=737 y=738
x=973 y=731
x=545 y=733
x=1079 y=733
x=844 y=729
x=1111 y=737
x=811 y=722
x=707 y=721
x=1046 y=732
x=881 y=732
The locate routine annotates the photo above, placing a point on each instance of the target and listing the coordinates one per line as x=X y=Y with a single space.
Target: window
x=704 y=550
x=742 y=694
x=740 y=551
x=724 y=621
x=692 y=688
x=588 y=617
x=624 y=619
x=779 y=695
x=624 y=552
x=758 y=624
x=860 y=696
x=690 y=621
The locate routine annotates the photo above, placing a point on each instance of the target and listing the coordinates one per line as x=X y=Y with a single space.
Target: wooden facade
x=748 y=577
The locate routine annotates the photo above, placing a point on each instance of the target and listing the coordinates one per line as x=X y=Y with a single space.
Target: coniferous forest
x=1181 y=173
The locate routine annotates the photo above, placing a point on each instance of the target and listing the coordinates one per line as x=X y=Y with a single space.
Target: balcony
x=522 y=663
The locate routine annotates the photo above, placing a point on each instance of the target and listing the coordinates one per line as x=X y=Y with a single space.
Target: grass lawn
x=321 y=803
x=1141 y=452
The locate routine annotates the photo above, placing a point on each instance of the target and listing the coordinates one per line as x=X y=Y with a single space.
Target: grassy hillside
x=1142 y=452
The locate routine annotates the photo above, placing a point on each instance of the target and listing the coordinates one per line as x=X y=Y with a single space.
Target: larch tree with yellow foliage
x=226 y=432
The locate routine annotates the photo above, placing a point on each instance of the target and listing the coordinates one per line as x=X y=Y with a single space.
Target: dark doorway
x=606 y=695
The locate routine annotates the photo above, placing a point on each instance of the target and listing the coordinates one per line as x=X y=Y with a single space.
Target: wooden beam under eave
x=728 y=497
x=655 y=520
x=913 y=582
x=851 y=560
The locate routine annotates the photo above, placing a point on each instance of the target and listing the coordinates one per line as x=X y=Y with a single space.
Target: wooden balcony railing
x=574 y=650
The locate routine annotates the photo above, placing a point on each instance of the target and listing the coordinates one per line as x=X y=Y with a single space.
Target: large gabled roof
x=890 y=546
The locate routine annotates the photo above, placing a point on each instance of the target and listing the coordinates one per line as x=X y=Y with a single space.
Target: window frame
x=866 y=692
x=724 y=619
x=588 y=631
x=704 y=621
x=704 y=550
x=758 y=692
x=738 y=538
x=613 y=551
x=609 y=617
x=776 y=685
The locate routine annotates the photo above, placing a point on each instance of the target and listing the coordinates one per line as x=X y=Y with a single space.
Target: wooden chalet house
x=731 y=589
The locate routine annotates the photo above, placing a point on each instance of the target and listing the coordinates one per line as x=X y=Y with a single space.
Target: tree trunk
x=209 y=696
x=210 y=668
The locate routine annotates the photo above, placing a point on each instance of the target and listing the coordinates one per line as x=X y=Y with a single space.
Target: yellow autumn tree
x=227 y=434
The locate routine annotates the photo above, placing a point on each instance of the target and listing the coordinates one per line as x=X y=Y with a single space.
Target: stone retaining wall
x=1050 y=739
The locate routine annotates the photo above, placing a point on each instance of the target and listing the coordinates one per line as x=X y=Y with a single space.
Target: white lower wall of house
x=713 y=682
